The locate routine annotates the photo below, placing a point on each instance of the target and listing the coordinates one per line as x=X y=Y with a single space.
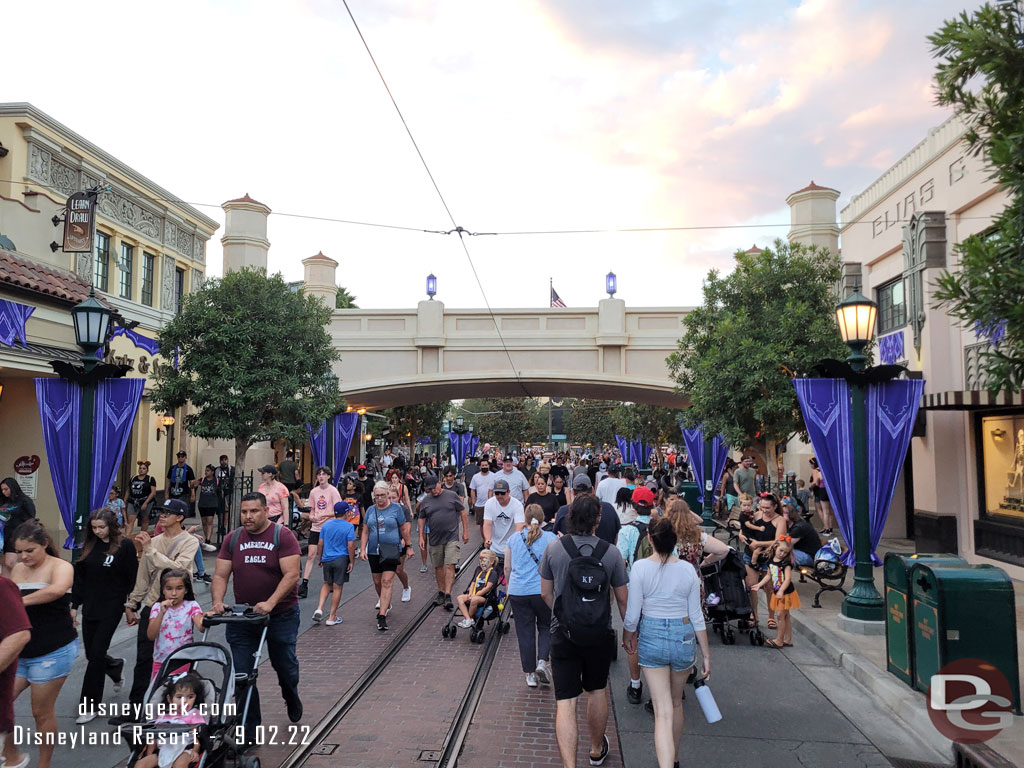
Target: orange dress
x=790 y=600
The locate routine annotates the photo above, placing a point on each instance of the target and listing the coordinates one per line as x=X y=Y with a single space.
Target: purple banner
x=12 y=321
x=462 y=445
x=890 y=348
x=474 y=445
x=636 y=451
x=60 y=404
x=623 y=445
x=694 y=439
x=345 y=427
x=890 y=411
x=117 y=402
x=825 y=404
x=152 y=346
x=318 y=443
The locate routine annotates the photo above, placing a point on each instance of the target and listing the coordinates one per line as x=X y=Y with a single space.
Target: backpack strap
x=600 y=549
x=570 y=546
x=233 y=541
x=277 y=536
x=529 y=549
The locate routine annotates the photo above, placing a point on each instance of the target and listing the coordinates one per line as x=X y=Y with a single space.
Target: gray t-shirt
x=745 y=481
x=482 y=483
x=442 y=513
x=555 y=564
x=518 y=485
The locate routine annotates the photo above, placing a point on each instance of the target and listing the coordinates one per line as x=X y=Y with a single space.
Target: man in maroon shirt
x=264 y=558
x=15 y=631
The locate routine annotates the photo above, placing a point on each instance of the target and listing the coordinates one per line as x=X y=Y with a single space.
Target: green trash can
x=691 y=495
x=899 y=649
x=963 y=612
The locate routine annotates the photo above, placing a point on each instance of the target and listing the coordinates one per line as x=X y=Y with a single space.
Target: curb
x=900 y=702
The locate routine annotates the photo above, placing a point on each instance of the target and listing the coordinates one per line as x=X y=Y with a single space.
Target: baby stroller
x=213 y=663
x=728 y=601
x=489 y=611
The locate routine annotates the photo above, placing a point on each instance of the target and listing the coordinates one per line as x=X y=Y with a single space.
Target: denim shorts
x=666 y=643
x=43 y=669
x=802 y=558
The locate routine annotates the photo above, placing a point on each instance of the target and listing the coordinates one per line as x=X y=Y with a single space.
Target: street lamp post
x=431 y=286
x=611 y=284
x=855 y=317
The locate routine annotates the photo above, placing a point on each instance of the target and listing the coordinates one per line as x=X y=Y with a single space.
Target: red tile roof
x=812 y=186
x=28 y=275
x=245 y=199
x=754 y=249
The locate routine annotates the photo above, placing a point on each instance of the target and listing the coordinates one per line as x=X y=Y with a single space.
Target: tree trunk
x=241 y=449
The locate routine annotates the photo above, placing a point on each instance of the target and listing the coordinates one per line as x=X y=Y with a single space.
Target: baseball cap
x=181 y=453
x=429 y=482
x=509 y=458
x=268 y=468
x=361 y=466
x=580 y=482
x=643 y=496
x=176 y=507
x=342 y=508
x=603 y=466
x=500 y=486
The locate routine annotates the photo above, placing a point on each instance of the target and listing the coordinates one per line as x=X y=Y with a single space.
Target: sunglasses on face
x=499 y=493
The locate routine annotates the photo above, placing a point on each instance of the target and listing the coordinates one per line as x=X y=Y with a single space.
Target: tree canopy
x=981 y=75
x=506 y=421
x=253 y=359
x=344 y=300
x=409 y=422
x=772 y=318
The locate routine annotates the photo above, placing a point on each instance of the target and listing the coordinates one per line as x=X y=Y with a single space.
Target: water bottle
x=707 y=702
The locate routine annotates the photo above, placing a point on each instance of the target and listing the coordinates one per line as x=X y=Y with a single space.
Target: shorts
x=444 y=554
x=336 y=570
x=802 y=558
x=379 y=566
x=762 y=567
x=478 y=514
x=666 y=643
x=575 y=669
x=50 y=666
x=137 y=508
x=208 y=511
x=313 y=537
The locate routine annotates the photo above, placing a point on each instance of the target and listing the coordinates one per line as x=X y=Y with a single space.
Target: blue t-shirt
x=525 y=576
x=383 y=525
x=336 y=534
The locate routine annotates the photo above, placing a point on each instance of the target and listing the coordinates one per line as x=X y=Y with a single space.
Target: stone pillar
x=318 y=278
x=812 y=216
x=430 y=324
x=245 y=234
x=611 y=323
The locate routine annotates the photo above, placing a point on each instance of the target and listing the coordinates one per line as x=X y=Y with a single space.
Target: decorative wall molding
x=924 y=247
x=197 y=280
x=167 y=297
x=974 y=374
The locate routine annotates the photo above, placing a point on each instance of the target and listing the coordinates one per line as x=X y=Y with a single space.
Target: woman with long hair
x=104 y=576
x=532 y=616
x=664 y=623
x=624 y=505
x=561 y=490
x=692 y=543
x=15 y=508
x=44 y=664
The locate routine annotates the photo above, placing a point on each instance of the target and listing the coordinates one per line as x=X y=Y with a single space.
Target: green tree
x=589 y=421
x=504 y=421
x=409 y=422
x=654 y=423
x=769 y=320
x=981 y=75
x=344 y=299
x=253 y=359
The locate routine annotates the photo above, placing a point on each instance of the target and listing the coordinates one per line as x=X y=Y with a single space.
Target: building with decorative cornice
x=149 y=251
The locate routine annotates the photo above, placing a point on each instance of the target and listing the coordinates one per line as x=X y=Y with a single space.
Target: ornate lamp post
x=855 y=317
x=431 y=286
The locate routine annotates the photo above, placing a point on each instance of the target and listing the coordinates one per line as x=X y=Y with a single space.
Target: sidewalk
x=863 y=658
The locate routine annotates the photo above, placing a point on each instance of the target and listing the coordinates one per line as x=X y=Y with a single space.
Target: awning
x=36 y=358
x=971 y=400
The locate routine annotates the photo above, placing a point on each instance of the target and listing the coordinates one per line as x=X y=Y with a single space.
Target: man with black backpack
x=579 y=573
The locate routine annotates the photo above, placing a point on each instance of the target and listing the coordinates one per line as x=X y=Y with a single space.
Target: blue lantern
x=431 y=286
x=610 y=284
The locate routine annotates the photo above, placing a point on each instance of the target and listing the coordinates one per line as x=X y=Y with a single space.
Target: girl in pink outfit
x=183 y=701
x=171 y=620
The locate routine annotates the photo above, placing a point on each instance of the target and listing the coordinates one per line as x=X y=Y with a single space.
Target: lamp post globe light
x=855 y=317
x=431 y=286
x=91 y=320
x=611 y=284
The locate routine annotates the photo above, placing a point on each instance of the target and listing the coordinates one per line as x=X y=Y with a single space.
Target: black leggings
x=96 y=635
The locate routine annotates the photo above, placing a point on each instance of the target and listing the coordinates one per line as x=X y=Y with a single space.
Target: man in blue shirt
x=336 y=552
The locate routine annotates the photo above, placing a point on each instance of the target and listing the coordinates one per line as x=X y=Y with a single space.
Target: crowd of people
x=563 y=536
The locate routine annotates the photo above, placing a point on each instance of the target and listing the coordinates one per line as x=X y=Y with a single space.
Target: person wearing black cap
x=179 y=482
x=336 y=552
x=174 y=548
x=607 y=529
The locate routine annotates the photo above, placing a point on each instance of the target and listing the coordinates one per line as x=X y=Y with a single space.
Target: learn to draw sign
x=970 y=701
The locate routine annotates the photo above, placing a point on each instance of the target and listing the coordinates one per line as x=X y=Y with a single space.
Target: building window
x=148 y=266
x=1002 y=461
x=179 y=288
x=101 y=262
x=127 y=267
x=892 y=306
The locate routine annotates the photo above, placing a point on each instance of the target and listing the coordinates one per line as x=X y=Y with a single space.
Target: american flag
x=556 y=300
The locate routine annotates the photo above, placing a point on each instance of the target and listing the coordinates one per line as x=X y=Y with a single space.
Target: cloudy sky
x=531 y=114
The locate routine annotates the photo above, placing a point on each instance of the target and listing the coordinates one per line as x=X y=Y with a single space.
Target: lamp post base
x=859 y=626
x=863 y=603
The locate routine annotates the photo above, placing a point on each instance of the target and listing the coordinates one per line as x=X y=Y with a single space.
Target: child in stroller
x=182 y=699
x=482 y=601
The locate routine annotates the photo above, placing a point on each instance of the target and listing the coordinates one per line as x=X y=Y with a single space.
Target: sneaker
x=634 y=695
x=448 y=603
x=465 y=624
x=208 y=547
x=318 y=615
x=439 y=599
x=295 y=709
x=382 y=623
x=23 y=763
x=605 y=749
x=423 y=568
x=531 y=679
x=205 y=578
x=377 y=606
x=83 y=719
x=119 y=683
x=333 y=622
x=542 y=673
x=649 y=706
x=407 y=594
x=303 y=590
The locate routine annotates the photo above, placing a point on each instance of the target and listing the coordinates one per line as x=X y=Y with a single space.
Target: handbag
x=385 y=550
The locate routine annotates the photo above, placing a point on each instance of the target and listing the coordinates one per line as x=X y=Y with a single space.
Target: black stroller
x=489 y=611
x=728 y=601
x=218 y=738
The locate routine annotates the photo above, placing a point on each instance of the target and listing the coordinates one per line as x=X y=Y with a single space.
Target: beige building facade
x=149 y=251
